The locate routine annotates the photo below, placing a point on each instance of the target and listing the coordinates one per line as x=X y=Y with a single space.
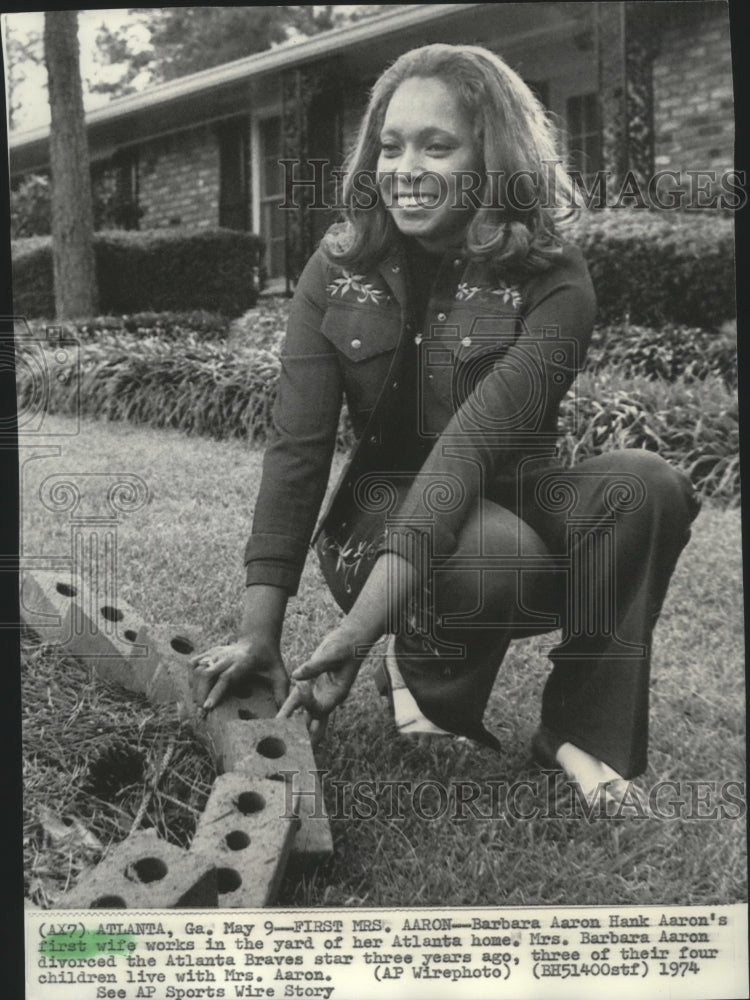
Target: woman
x=453 y=318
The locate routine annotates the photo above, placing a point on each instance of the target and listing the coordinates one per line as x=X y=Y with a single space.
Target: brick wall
x=693 y=105
x=178 y=179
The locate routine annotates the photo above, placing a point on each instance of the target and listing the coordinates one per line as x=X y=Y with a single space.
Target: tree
x=188 y=39
x=72 y=213
x=21 y=51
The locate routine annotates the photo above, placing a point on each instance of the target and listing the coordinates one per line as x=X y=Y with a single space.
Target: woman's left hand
x=324 y=681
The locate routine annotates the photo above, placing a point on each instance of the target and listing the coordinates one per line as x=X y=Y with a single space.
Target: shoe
x=619 y=797
x=623 y=799
x=406 y=714
x=544 y=747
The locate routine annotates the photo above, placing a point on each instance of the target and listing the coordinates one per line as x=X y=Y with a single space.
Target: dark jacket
x=496 y=356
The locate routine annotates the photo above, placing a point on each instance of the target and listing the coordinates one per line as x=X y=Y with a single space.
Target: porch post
x=628 y=38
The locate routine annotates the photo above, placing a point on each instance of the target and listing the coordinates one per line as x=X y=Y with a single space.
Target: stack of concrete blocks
x=265 y=811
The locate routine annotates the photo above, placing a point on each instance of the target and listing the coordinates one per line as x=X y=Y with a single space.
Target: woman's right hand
x=221 y=667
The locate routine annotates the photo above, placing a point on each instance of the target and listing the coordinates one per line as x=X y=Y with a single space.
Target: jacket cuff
x=273 y=574
x=275 y=560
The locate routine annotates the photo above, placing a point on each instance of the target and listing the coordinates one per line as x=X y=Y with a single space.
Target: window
x=234 y=205
x=271 y=192
x=127 y=188
x=114 y=189
x=584 y=134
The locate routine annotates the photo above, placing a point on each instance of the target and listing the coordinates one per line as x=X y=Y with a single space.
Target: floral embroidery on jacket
x=350 y=557
x=509 y=293
x=466 y=291
x=355 y=283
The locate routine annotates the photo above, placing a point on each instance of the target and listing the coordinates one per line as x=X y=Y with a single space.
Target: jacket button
x=395 y=385
x=396 y=268
x=356 y=344
x=441 y=317
x=373 y=439
x=409 y=327
x=466 y=341
x=457 y=262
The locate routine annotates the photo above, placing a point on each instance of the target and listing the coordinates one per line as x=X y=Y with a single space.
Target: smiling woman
x=427 y=147
x=453 y=317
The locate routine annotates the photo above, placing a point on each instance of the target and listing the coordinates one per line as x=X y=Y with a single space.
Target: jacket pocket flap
x=360 y=334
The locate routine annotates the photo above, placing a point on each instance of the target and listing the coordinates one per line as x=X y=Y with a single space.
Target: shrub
x=215 y=390
x=694 y=425
x=262 y=327
x=30 y=207
x=659 y=267
x=668 y=353
x=160 y=269
x=202 y=324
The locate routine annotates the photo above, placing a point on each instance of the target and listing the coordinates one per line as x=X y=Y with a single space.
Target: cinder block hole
x=108 y=903
x=66 y=590
x=271 y=747
x=182 y=645
x=112 y=614
x=247 y=687
x=245 y=714
x=227 y=880
x=146 y=870
x=130 y=635
x=237 y=840
x=250 y=802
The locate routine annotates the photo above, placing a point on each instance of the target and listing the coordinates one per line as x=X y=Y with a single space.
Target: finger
x=202 y=687
x=217 y=691
x=317 y=729
x=280 y=686
x=311 y=669
x=292 y=703
x=221 y=662
x=195 y=660
x=207 y=654
x=308 y=695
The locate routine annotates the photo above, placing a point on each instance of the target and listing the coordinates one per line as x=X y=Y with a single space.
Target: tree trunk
x=72 y=213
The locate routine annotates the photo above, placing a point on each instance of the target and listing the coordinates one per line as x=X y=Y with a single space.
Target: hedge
x=694 y=425
x=216 y=390
x=659 y=267
x=153 y=270
x=668 y=353
x=199 y=323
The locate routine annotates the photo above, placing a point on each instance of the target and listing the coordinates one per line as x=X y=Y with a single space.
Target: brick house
x=203 y=150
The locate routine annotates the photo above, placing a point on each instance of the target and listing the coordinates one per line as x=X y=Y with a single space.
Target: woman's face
x=428 y=154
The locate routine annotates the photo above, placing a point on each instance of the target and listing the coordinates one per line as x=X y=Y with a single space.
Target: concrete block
x=106 y=636
x=146 y=872
x=248 y=831
x=280 y=748
x=66 y=611
x=46 y=597
x=166 y=673
x=253 y=700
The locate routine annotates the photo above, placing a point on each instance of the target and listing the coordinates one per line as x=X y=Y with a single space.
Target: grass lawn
x=180 y=559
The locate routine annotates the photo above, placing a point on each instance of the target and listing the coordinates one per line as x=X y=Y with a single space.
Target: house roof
x=284 y=56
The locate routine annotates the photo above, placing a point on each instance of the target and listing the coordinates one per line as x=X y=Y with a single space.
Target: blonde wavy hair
x=516 y=139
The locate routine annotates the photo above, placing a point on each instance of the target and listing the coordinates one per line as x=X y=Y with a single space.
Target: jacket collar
x=392 y=268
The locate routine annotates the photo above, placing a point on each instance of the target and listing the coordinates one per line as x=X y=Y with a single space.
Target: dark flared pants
x=589 y=550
